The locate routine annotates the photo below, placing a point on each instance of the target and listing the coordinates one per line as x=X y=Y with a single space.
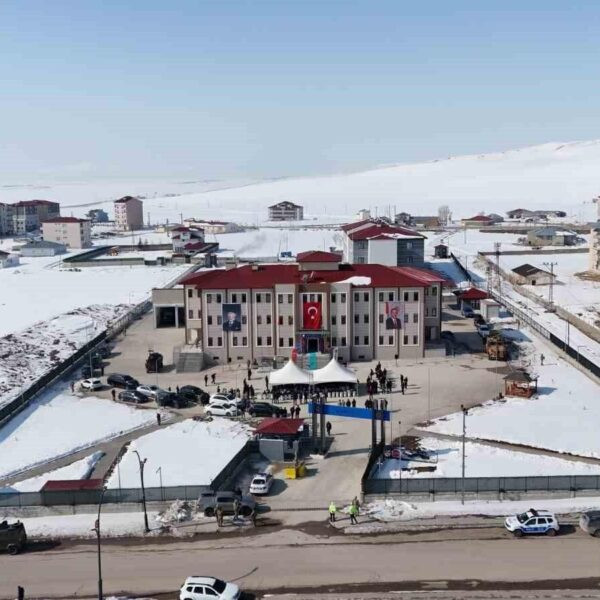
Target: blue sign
x=348 y=411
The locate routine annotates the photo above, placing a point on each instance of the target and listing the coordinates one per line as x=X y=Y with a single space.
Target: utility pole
x=551 y=265
x=99 y=548
x=464 y=435
x=498 y=278
x=142 y=463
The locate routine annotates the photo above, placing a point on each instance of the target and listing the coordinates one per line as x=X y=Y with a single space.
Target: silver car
x=590 y=522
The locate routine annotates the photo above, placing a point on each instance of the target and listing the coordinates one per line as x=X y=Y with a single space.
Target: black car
x=103 y=351
x=132 y=396
x=87 y=373
x=264 y=409
x=122 y=381
x=193 y=391
x=172 y=399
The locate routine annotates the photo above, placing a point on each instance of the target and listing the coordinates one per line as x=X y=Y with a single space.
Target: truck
x=495 y=346
x=13 y=537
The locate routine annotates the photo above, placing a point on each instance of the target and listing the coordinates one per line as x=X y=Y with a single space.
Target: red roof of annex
x=66 y=220
x=318 y=256
x=266 y=276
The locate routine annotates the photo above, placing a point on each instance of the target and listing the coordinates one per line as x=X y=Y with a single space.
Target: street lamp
x=142 y=463
x=99 y=550
x=464 y=435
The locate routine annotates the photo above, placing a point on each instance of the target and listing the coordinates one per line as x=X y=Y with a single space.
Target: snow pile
x=80 y=469
x=57 y=425
x=481 y=461
x=389 y=510
x=186 y=453
x=27 y=355
x=179 y=511
x=357 y=280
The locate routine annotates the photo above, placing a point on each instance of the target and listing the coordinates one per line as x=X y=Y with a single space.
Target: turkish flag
x=312 y=315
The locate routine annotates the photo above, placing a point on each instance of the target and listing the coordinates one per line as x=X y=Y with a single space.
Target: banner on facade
x=232 y=317
x=394 y=313
x=312 y=315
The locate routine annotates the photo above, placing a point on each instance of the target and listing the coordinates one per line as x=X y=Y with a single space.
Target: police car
x=532 y=521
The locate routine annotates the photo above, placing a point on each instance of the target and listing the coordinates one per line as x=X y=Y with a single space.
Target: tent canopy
x=334 y=372
x=289 y=374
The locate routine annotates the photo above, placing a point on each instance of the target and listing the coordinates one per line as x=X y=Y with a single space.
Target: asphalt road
x=312 y=565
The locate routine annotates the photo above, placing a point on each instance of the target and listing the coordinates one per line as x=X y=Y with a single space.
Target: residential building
x=529 y=275
x=42 y=248
x=402 y=218
x=286 y=211
x=97 y=215
x=129 y=213
x=496 y=218
x=441 y=251
x=424 y=222
x=72 y=232
x=519 y=213
x=595 y=247
x=366 y=311
x=363 y=214
x=522 y=214
x=471 y=297
x=214 y=227
x=477 y=221
x=376 y=242
x=551 y=236
x=182 y=236
x=27 y=215
x=8 y=260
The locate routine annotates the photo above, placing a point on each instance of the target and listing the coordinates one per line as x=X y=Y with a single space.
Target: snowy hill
x=554 y=175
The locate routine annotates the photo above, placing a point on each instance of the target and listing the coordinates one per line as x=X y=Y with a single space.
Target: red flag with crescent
x=312 y=315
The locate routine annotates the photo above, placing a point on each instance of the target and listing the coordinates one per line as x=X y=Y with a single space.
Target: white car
x=150 y=391
x=208 y=588
x=91 y=384
x=261 y=484
x=224 y=398
x=532 y=521
x=221 y=408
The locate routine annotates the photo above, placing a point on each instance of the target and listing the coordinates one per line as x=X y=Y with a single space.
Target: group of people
x=378 y=381
x=353 y=511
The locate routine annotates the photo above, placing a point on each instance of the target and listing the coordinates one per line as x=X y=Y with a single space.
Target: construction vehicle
x=495 y=346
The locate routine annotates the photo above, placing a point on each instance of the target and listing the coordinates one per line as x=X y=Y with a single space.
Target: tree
x=444 y=214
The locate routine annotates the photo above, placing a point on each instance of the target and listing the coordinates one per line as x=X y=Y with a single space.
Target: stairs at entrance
x=190 y=362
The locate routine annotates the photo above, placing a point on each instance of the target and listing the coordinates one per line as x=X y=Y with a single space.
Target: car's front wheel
x=209 y=512
x=208 y=413
x=518 y=533
x=12 y=549
x=551 y=532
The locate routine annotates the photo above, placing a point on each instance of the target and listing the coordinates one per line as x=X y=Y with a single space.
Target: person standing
x=353 y=514
x=219 y=516
x=267 y=382
x=158 y=419
x=542 y=358
x=213 y=378
x=73 y=388
x=205 y=380
x=236 y=509
x=113 y=393
x=356 y=502
x=328 y=428
x=332 y=511
x=249 y=374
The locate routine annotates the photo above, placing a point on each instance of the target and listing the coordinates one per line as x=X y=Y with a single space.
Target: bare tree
x=444 y=214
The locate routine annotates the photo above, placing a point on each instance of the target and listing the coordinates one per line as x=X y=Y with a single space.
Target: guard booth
x=520 y=384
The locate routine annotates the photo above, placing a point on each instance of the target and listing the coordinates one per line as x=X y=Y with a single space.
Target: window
x=259 y=297
x=356 y=318
x=343 y=319
x=290 y=342
x=366 y=340
x=391 y=296
x=269 y=340
x=198 y=293
x=219 y=320
x=244 y=319
x=366 y=296
x=290 y=320
x=366 y=318
x=416 y=296
x=190 y=292
x=279 y=298
x=434 y=291
x=416 y=318
x=405 y=340
x=333 y=320
x=280 y=320
x=268 y=298
x=208 y=298
x=381 y=340
x=343 y=298
x=334 y=341
x=405 y=296
x=281 y=342
x=210 y=592
x=243 y=298
x=361 y=260
x=268 y=319
x=406 y=317
x=426 y=312
x=234 y=340
x=312 y=298
x=218 y=298
x=210 y=341
x=190 y=314
x=434 y=312
x=259 y=341
x=258 y=319
x=427 y=291
x=356 y=296
x=381 y=318
x=199 y=314
x=333 y=298
x=409 y=245
x=244 y=341
x=234 y=297
x=380 y=296
x=415 y=340
x=290 y=298
x=209 y=320
x=356 y=340
x=390 y=339
x=219 y=341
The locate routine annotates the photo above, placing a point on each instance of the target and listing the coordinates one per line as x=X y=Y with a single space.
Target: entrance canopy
x=289 y=374
x=334 y=372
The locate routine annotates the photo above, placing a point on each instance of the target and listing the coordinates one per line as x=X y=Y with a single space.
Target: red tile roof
x=61 y=485
x=318 y=256
x=351 y=226
x=66 y=220
x=473 y=294
x=479 y=218
x=277 y=426
x=266 y=276
x=376 y=230
x=35 y=203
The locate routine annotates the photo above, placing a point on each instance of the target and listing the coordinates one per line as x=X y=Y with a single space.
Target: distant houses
x=213 y=227
x=552 y=236
x=286 y=211
x=42 y=248
x=8 y=260
x=523 y=214
x=529 y=275
x=477 y=221
x=27 y=215
x=70 y=231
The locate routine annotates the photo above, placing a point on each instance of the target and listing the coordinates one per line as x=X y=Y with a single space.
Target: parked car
x=225 y=398
x=532 y=522
x=86 y=372
x=171 y=399
x=208 y=588
x=467 y=311
x=200 y=395
x=13 y=537
x=590 y=522
x=261 y=484
x=264 y=409
x=221 y=408
x=154 y=362
x=150 y=391
x=122 y=381
x=484 y=330
x=103 y=351
x=209 y=502
x=91 y=384
x=132 y=396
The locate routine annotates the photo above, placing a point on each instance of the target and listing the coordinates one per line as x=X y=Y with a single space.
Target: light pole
x=159 y=471
x=142 y=463
x=429 y=393
x=99 y=550
x=580 y=346
x=464 y=435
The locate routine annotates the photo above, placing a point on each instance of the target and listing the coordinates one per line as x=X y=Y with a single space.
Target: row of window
x=290 y=341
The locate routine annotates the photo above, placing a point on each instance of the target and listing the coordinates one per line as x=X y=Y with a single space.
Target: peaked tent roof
x=289 y=374
x=279 y=426
x=334 y=372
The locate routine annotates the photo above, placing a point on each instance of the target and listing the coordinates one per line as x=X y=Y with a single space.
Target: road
x=297 y=561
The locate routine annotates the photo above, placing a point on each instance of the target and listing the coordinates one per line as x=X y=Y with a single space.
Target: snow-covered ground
x=80 y=469
x=481 y=460
x=59 y=423
x=28 y=354
x=187 y=453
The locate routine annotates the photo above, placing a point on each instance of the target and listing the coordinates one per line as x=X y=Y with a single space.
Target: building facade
x=129 y=213
x=42 y=248
x=365 y=311
x=72 y=232
x=376 y=242
x=286 y=211
x=27 y=215
x=97 y=215
x=529 y=275
x=551 y=236
x=214 y=227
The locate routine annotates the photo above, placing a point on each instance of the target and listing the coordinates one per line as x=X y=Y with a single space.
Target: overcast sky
x=224 y=88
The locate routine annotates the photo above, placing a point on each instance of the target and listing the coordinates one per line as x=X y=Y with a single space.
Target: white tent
x=289 y=374
x=334 y=372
